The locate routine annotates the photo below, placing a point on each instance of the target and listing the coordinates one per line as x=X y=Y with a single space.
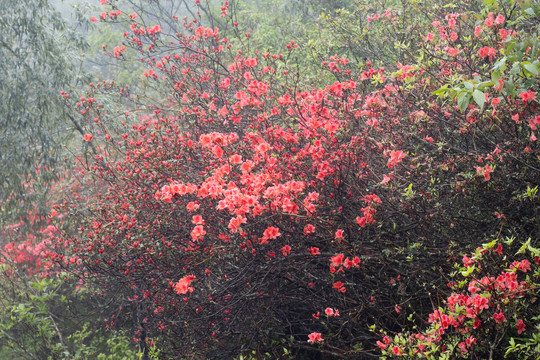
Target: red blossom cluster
x=466 y=316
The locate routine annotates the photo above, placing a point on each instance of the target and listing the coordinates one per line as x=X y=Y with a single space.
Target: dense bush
x=45 y=314
x=242 y=208
x=489 y=316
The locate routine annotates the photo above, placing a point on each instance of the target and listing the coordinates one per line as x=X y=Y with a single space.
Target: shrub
x=244 y=209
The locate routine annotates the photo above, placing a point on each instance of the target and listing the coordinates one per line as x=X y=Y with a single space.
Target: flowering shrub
x=26 y=252
x=244 y=203
x=491 y=313
x=35 y=297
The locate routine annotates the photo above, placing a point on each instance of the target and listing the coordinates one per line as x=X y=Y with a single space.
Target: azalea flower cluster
x=489 y=304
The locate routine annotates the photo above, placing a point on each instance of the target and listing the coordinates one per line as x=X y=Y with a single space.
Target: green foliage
x=48 y=318
x=36 y=63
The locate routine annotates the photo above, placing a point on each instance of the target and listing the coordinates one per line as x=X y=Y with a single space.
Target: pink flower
x=487 y=52
x=362 y=221
x=197 y=220
x=384 y=344
x=314 y=251
x=385 y=179
x=331 y=312
x=198 y=232
x=286 y=250
x=339 y=235
x=495 y=102
x=235 y=223
x=470 y=341
x=348 y=263
x=489 y=21
x=236 y=159
x=271 y=232
x=525 y=265
x=527 y=96
x=452 y=51
x=395 y=158
x=88 y=137
x=477 y=31
x=480 y=302
x=503 y=34
x=520 y=326
x=534 y=123
x=191 y=206
x=339 y=286
x=315 y=337
x=499 y=317
x=337 y=260
x=309 y=229
x=93 y=19
x=182 y=286
x=485 y=171
x=153 y=30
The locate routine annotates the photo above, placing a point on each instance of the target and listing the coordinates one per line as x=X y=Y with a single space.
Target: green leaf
x=469 y=270
x=480 y=98
x=463 y=101
x=441 y=91
x=524 y=247
x=530 y=11
x=495 y=75
x=485 y=84
x=509 y=86
x=500 y=65
x=532 y=68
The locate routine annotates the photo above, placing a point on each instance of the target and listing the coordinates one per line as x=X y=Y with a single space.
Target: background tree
x=38 y=60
